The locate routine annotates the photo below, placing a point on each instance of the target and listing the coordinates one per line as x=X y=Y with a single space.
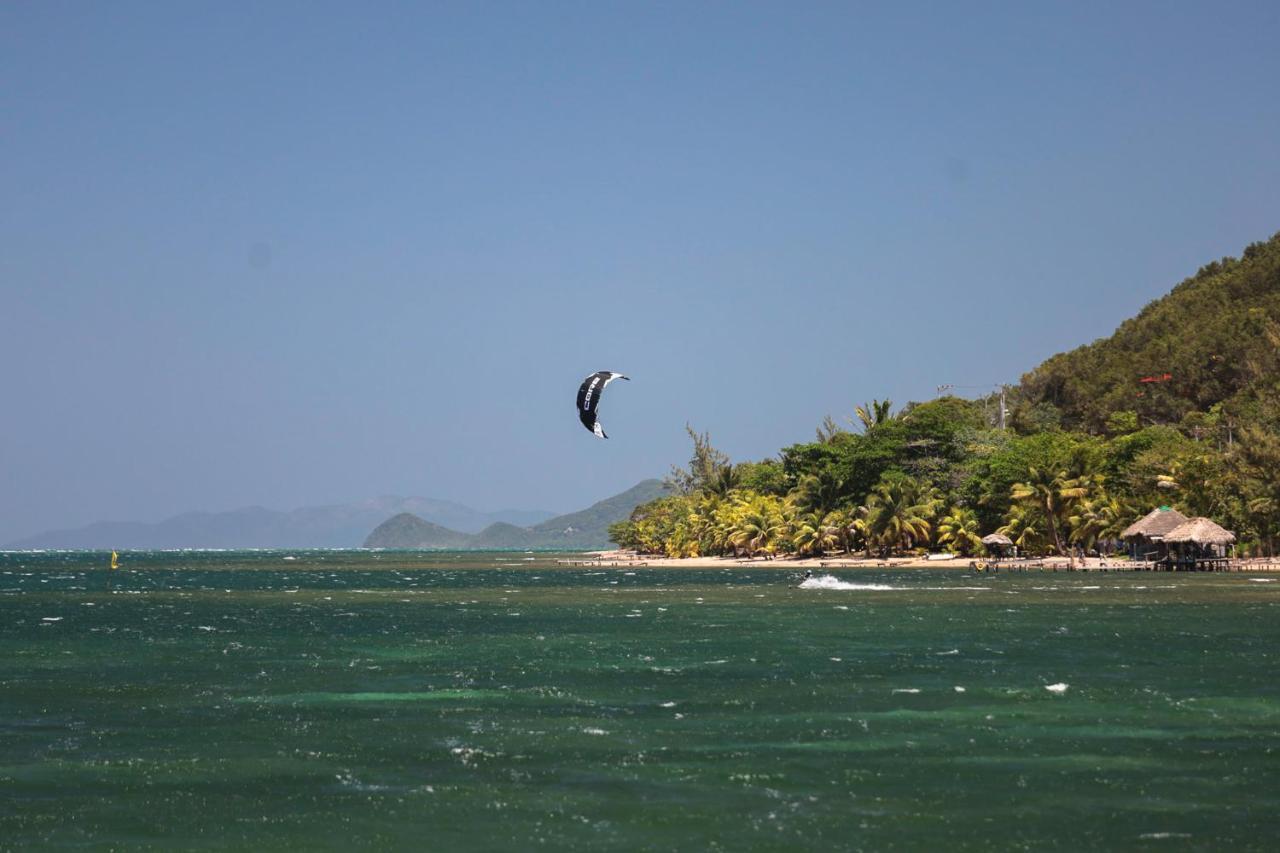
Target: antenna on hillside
x=950 y=386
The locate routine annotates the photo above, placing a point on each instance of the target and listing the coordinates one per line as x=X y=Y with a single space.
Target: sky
x=288 y=254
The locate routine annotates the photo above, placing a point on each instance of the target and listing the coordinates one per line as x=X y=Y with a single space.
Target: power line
x=1002 y=387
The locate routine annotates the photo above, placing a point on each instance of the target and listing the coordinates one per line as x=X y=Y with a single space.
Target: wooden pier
x=1060 y=565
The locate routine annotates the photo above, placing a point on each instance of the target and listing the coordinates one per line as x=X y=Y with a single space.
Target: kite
x=589 y=398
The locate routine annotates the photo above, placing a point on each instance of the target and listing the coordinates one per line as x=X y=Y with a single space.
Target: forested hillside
x=1209 y=346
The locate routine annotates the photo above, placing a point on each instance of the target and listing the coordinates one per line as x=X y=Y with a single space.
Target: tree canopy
x=1181 y=406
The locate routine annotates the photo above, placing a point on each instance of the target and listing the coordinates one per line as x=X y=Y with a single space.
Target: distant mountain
x=337 y=526
x=407 y=527
x=588 y=528
x=502 y=535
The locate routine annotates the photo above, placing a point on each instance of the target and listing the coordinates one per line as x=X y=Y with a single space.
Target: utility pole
x=948 y=387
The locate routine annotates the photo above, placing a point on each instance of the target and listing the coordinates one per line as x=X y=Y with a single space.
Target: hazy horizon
x=493 y=511
x=302 y=254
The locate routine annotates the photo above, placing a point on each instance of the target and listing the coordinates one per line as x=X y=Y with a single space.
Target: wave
x=832 y=582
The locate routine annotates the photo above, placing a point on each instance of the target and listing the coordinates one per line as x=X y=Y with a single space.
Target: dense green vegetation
x=1181 y=406
x=1215 y=336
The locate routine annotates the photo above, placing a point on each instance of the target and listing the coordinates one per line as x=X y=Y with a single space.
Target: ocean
x=337 y=700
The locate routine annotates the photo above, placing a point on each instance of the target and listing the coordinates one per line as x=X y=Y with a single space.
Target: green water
x=345 y=700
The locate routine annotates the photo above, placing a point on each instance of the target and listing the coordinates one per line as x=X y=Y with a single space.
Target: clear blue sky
x=297 y=253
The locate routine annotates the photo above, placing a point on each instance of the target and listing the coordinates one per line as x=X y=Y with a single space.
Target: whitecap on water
x=349 y=781
x=1060 y=687
x=832 y=582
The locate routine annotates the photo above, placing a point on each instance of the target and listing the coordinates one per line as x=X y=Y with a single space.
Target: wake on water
x=832 y=582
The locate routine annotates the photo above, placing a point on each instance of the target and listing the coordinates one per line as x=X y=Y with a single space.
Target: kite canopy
x=589 y=398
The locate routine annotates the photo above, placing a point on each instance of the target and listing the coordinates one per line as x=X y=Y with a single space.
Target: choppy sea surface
x=497 y=701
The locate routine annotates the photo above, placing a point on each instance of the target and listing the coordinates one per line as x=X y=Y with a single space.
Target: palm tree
x=1024 y=526
x=814 y=534
x=1053 y=493
x=1262 y=512
x=860 y=529
x=1098 y=516
x=959 y=529
x=845 y=525
x=873 y=414
x=759 y=527
x=819 y=492
x=724 y=480
x=898 y=512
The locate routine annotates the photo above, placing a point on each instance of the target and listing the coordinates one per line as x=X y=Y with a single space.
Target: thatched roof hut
x=998 y=544
x=1200 y=531
x=1155 y=525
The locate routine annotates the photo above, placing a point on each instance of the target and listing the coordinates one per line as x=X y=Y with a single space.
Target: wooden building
x=1198 y=543
x=1146 y=536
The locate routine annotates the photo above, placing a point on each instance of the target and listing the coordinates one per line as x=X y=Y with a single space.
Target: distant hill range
x=586 y=529
x=339 y=526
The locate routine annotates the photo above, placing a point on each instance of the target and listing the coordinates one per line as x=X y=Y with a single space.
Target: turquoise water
x=497 y=701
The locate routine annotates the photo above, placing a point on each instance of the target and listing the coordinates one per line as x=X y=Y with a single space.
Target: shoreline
x=623 y=559
x=843 y=561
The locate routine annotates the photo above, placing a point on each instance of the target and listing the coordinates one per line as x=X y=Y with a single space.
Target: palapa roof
x=1155 y=524
x=996 y=539
x=1201 y=531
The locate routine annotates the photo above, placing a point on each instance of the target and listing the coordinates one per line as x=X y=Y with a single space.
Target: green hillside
x=503 y=536
x=406 y=530
x=1215 y=337
x=589 y=528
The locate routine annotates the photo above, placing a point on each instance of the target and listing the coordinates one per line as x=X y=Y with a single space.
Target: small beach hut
x=998 y=544
x=1146 y=536
x=1199 y=543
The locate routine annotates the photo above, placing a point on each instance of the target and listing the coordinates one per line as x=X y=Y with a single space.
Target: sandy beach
x=622 y=559
x=840 y=561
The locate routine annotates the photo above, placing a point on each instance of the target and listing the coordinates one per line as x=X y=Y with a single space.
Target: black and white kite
x=589 y=398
